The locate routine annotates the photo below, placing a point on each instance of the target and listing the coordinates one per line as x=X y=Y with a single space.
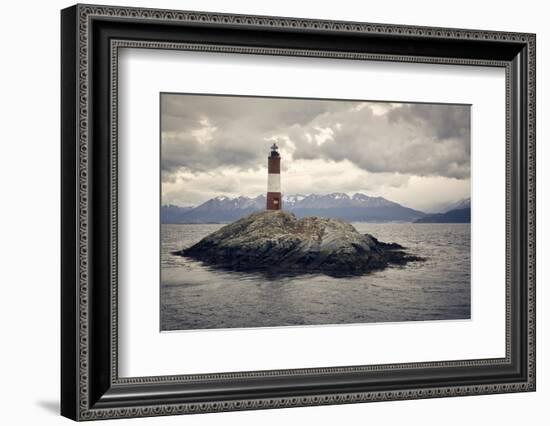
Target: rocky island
x=275 y=241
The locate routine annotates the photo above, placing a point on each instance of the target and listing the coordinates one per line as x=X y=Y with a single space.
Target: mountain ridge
x=459 y=213
x=358 y=207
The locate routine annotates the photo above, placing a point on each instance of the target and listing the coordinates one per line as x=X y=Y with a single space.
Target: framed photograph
x=263 y=212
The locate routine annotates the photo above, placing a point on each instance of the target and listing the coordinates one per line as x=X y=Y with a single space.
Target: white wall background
x=29 y=213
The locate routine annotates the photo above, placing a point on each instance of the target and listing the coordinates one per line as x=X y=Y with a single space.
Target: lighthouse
x=274 y=199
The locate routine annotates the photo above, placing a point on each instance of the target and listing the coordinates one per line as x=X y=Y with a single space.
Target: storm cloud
x=388 y=142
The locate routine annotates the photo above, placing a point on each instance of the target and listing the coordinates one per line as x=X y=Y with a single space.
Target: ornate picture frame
x=91 y=37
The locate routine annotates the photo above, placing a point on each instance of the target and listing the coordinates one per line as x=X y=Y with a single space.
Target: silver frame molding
x=91 y=387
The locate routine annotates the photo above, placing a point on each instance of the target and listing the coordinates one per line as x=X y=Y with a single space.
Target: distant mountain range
x=465 y=203
x=358 y=208
x=173 y=214
x=459 y=213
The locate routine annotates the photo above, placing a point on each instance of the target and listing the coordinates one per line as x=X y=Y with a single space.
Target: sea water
x=196 y=296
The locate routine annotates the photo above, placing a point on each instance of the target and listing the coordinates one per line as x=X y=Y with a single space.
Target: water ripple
x=194 y=296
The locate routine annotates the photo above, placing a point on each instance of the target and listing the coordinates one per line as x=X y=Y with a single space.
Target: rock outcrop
x=278 y=242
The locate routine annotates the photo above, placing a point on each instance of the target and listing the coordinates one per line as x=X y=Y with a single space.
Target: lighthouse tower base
x=274 y=201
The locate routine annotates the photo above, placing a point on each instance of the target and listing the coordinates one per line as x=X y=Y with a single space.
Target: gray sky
x=414 y=154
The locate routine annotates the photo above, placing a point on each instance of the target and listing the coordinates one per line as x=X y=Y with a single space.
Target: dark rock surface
x=278 y=242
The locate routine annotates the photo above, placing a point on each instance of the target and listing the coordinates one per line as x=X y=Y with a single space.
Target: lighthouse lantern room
x=274 y=199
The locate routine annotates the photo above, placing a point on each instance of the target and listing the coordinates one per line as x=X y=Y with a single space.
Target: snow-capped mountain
x=226 y=203
x=359 y=207
x=336 y=199
x=465 y=203
x=459 y=212
x=291 y=200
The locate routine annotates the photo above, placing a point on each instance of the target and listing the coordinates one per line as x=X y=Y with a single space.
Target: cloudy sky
x=415 y=154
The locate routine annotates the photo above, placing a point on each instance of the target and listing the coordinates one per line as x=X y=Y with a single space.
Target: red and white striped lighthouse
x=274 y=199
